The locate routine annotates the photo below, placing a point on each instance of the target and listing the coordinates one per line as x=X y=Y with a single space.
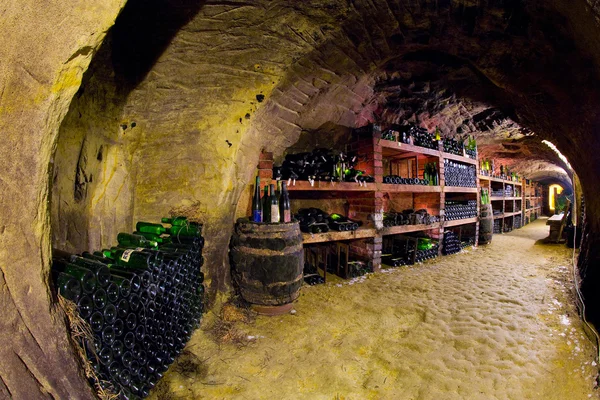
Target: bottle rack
x=532 y=201
x=368 y=201
x=505 y=206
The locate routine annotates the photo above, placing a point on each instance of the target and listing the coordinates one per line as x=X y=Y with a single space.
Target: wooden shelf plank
x=458 y=189
x=333 y=186
x=499 y=216
x=457 y=222
x=462 y=159
x=393 y=188
x=334 y=236
x=395 y=230
x=405 y=150
x=496 y=198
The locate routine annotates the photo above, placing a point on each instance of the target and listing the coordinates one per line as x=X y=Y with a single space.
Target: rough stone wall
x=45 y=50
x=201 y=125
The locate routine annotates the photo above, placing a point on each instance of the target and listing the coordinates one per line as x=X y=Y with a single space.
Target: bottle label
x=274 y=213
x=287 y=216
x=256 y=216
x=126 y=255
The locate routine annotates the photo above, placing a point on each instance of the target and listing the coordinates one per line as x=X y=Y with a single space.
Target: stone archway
x=240 y=77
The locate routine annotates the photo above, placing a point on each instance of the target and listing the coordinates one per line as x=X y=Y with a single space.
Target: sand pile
x=496 y=322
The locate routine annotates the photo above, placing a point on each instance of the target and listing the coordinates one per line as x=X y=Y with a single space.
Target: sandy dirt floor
x=497 y=322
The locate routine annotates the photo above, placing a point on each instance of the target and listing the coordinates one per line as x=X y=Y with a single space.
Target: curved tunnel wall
x=200 y=124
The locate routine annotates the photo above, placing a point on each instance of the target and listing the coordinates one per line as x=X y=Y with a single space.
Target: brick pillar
x=265 y=168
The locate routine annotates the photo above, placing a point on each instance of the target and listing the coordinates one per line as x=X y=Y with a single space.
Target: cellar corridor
x=494 y=322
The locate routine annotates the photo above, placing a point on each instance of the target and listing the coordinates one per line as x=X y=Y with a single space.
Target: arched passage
x=238 y=77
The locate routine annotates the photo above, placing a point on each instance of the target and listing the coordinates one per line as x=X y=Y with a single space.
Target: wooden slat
x=465 y=160
x=395 y=230
x=392 y=188
x=333 y=236
x=391 y=149
x=459 y=189
x=336 y=186
x=457 y=222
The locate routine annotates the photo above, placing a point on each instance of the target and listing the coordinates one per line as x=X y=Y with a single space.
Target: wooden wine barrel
x=267 y=261
x=486 y=224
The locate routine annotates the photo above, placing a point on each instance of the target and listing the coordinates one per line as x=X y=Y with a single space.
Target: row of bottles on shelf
x=459 y=174
x=465 y=146
x=488 y=168
x=321 y=165
x=455 y=210
x=452 y=243
x=142 y=300
x=408 y=217
x=274 y=206
x=314 y=220
x=397 y=253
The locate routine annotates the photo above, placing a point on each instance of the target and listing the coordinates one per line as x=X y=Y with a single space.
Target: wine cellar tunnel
x=133 y=111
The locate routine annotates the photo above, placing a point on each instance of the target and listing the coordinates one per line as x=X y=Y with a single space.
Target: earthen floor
x=496 y=322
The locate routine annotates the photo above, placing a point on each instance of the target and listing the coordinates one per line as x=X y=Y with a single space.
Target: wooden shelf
x=395 y=230
x=393 y=188
x=393 y=149
x=511 y=214
x=496 y=198
x=462 y=159
x=333 y=186
x=499 y=216
x=458 y=189
x=457 y=222
x=334 y=236
x=512 y=198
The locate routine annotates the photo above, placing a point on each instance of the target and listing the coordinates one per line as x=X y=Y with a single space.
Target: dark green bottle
x=68 y=286
x=100 y=270
x=130 y=240
x=130 y=259
x=266 y=205
x=149 y=227
x=153 y=238
x=86 y=278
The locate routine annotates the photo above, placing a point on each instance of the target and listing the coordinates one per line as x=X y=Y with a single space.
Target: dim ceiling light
x=560 y=155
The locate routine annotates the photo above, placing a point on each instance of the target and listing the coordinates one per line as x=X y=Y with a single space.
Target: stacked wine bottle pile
x=397 y=180
x=321 y=165
x=453 y=146
x=467 y=242
x=507 y=228
x=497 y=192
x=460 y=209
x=314 y=220
x=311 y=274
x=497 y=226
x=451 y=243
x=423 y=138
x=142 y=299
x=458 y=174
x=517 y=222
x=408 y=217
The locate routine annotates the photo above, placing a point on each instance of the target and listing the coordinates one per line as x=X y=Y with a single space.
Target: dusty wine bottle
x=257 y=209
x=285 y=212
x=149 y=227
x=274 y=204
x=129 y=240
x=266 y=206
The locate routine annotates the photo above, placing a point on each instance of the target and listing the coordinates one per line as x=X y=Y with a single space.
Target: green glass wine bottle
x=100 y=270
x=130 y=259
x=175 y=220
x=68 y=286
x=149 y=227
x=266 y=205
x=86 y=278
x=129 y=240
x=153 y=237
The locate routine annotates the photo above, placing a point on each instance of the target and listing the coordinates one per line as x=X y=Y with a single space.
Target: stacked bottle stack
x=518 y=221
x=423 y=138
x=458 y=174
x=497 y=192
x=451 y=243
x=508 y=191
x=408 y=217
x=497 y=226
x=460 y=209
x=453 y=146
x=468 y=242
x=321 y=165
x=397 y=180
x=314 y=220
x=507 y=228
x=142 y=300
